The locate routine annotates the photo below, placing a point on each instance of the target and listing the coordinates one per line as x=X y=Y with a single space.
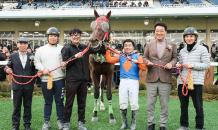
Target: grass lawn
x=210 y=112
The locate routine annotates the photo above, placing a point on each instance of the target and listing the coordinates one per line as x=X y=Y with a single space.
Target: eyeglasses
x=74 y=36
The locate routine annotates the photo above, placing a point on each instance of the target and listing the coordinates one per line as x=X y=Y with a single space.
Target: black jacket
x=2 y=73
x=77 y=70
x=15 y=64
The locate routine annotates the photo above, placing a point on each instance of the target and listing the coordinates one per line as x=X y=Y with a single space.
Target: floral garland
x=102 y=58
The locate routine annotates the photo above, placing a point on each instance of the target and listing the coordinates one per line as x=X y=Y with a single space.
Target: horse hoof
x=102 y=108
x=94 y=119
x=112 y=121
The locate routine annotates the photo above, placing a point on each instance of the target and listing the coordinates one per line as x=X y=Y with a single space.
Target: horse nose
x=92 y=40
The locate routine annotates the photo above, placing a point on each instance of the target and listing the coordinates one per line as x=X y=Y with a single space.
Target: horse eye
x=105 y=26
x=93 y=24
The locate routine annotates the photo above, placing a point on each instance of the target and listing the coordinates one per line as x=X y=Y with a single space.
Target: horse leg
x=95 y=79
x=109 y=78
x=102 y=92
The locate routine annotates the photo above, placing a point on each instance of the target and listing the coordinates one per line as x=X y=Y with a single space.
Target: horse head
x=100 y=30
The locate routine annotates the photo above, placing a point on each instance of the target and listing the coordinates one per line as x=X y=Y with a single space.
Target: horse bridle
x=106 y=34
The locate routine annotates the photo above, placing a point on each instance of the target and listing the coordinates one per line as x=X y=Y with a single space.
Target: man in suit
x=20 y=64
x=162 y=52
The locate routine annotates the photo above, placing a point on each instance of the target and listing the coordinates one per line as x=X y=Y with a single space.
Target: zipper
x=82 y=62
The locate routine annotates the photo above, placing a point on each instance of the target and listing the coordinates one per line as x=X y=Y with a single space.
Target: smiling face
x=160 y=33
x=75 y=38
x=53 y=39
x=128 y=47
x=22 y=47
x=190 y=39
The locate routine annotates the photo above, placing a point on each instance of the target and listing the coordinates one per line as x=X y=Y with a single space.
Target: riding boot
x=134 y=116
x=123 y=115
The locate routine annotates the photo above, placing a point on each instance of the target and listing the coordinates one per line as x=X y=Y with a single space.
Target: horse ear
x=108 y=15
x=96 y=14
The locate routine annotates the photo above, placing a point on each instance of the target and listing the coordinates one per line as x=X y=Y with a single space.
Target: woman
x=196 y=58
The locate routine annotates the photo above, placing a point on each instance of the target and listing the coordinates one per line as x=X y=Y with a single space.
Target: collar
x=195 y=46
x=75 y=45
x=129 y=54
x=161 y=41
x=21 y=53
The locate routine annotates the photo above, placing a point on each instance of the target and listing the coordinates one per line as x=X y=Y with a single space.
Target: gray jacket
x=200 y=60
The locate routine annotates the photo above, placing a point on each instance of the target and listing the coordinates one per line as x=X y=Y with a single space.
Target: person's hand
x=179 y=66
x=39 y=73
x=149 y=64
x=168 y=66
x=9 y=71
x=135 y=61
x=64 y=64
x=79 y=55
x=46 y=72
x=188 y=66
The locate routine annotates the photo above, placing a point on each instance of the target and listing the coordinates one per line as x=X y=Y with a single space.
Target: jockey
x=196 y=58
x=129 y=84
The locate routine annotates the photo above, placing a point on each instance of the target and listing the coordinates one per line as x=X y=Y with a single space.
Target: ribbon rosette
x=31 y=59
x=169 y=48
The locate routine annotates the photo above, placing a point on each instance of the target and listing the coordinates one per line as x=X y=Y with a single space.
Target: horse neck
x=102 y=50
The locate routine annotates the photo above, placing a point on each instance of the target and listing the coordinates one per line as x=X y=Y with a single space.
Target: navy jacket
x=15 y=64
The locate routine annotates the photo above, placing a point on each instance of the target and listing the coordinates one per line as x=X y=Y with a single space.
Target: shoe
x=27 y=128
x=200 y=129
x=15 y=128
x=163 y=128
x=151 y=127
x=60 y=124
x=124 y=119
x=66 y=126
x=183 y=128
x=81 y=126
x=133 y=123
x=46 y=125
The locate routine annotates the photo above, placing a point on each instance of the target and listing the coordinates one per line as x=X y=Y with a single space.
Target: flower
x=169 y=48
x=31 y=59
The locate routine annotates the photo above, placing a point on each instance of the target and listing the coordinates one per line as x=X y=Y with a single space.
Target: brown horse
x=98 y=67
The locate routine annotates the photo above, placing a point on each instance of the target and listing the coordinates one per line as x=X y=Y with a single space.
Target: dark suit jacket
x=15 y=64
x=154 y=72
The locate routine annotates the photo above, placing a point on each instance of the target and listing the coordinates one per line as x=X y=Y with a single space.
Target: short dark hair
x=15 y=49
x=36 y=46
x=75 y=30
x=160 y=24
x=129 y=40
x=29 y=48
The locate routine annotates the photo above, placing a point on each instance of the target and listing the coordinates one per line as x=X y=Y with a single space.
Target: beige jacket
x=154 y=72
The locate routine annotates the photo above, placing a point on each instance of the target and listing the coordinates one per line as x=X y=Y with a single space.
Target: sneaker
x=89 y=88
x=81 y=126
x=183 y=128
x=46 y=125
x=66 y=126
x=60 y=124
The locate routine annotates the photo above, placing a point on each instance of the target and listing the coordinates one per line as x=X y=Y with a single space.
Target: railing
x=197 y=5
x=111 y=7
